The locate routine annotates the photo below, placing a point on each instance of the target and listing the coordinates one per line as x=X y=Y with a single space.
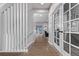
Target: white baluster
x=5 y=18
x=8 y=29
x=21 y=18
x=18 y=25
x=3 y=32
x=15 y=29
x=24 y=25
x=12 y=35
x=0 y=32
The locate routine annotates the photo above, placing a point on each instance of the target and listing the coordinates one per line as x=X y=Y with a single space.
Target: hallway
x=22 y=23
x=40 y=47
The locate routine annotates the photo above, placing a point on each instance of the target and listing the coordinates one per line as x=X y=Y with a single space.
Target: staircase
x=13 y=27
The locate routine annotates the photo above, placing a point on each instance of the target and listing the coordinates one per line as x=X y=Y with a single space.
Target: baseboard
x=13 y=51
x=50 y=43
x=26 y=50
x=30 y=44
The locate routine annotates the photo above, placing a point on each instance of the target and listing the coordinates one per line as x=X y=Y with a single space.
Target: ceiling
x=40 y=12
x=38 y=6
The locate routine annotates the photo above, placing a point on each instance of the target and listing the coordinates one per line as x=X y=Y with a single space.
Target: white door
x=57 y=16
x=71 y=28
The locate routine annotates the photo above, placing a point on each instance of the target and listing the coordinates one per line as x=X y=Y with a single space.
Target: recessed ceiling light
x=41 y=11
x=42 y=3
x=36 y=14
x=40 y=15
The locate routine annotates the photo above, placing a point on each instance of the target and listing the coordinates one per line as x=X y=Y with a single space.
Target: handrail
x=5 y=6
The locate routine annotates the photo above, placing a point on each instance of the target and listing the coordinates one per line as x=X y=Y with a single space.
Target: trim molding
x=26 y=50
x=30 y=44
x=50 y=43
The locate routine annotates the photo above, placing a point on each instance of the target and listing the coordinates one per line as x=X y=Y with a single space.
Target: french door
x=66 y=28
x=57 y=16
x=71 y=28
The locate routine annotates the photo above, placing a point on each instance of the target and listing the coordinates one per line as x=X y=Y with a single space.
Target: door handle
x=61 y=31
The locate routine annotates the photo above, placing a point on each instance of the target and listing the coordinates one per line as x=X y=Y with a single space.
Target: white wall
x=30 y=31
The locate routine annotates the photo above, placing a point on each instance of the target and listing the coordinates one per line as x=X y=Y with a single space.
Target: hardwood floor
x=40 y=47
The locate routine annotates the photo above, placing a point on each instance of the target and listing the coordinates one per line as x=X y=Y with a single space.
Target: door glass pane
x=66 y=27
x=55 y=36
x=57 y=33
x=75 y=26
x=75 y=12
x=66 y=16
x=66 y=47
x=56 y=27
x=74 y=51
x=66 y=37
x=72 y=4
x=57 y=41
x=66 y=7
x=75 y=39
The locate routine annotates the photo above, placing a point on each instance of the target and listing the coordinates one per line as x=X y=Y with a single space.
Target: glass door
x=57 y=27
x=66 y=28
x=71 y=28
